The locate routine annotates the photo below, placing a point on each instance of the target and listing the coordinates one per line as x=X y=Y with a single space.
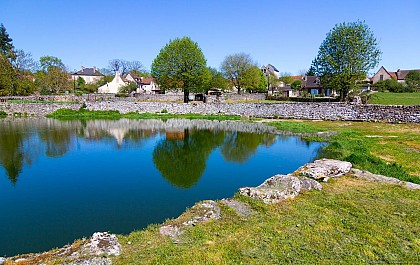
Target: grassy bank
x=387 y=98
x=349 y=222
x=65 y=114
x=388 y=149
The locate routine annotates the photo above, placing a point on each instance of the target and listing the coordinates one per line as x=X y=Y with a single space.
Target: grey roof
x=88 y=72
x=274 y=68
x=401 y=74
x=311 y=82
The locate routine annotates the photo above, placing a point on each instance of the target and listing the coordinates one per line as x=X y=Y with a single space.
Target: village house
x=114 y=86
x=270 y=69
x=399 y=75
x=145 y=85
x=90 y=75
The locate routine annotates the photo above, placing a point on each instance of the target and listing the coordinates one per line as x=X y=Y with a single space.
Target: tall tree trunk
x=186 y=94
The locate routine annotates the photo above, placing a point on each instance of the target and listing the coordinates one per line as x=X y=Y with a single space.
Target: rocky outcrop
x=240 y=208
x=324 y=169
x=92 y=251
x=360 y=174
x=199 y=213
x=274 y=189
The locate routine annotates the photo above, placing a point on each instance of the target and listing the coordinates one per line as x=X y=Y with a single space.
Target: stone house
x=90 y=75
x=399 y=75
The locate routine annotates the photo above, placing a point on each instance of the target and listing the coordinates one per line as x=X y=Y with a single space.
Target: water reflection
x=180 y=155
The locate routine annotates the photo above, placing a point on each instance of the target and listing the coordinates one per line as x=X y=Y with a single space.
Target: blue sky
x=286 y=34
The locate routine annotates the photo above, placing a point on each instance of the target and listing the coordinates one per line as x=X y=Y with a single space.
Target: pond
x=63 y=180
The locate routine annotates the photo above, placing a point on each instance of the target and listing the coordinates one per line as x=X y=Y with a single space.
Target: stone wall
x=286 y=110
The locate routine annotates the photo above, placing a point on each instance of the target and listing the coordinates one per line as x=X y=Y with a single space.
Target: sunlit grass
x=388 y=98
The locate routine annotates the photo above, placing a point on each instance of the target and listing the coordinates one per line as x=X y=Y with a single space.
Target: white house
x=90 y=75
x=148 y=85
x=270 y=69
x=114 y=86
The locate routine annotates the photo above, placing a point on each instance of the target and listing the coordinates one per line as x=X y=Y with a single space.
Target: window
x=381 y=78
x=314 y=91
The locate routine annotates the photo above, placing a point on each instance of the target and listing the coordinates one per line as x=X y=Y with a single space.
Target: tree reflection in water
x=181 y=157
x=183 y=161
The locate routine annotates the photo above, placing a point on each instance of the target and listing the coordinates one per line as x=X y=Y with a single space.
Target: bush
x=392 y=85
x=2 y=113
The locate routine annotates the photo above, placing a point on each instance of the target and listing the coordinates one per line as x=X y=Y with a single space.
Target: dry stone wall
x=286 y=110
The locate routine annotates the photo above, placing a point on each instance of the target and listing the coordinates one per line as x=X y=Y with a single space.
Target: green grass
x=88 y=114
x=387 y=98
x=388 y=149
x=349 y=222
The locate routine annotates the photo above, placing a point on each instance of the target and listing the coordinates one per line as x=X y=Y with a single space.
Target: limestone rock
x=323 y=169
x=309 y=184
x=274 y=189
x=241 y=208
x=93 y=261
x=357 y=173
x=200 y=212
x=102 y=244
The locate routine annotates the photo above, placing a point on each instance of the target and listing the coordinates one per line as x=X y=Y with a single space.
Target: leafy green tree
x=413 y=81
x=296 y=85
x=53 y=76
x=311 y=71
x=49 y=61
x=217 y=79
x=181 y=65
x=6 y=45
x=346 y=55
x=127 y=89
x=80 y=83
x=8 y=77
x=286 y=78
x=236 y=68
x=252 y=79
x=262 y=87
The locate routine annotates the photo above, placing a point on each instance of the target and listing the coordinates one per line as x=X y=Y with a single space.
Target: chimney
x=83 y=68
x=94 y=69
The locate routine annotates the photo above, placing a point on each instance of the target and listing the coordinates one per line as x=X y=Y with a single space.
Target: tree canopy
x=346 y=55
x=240 y=70
x=181 y=65
x=6 y=45
x=413 y=81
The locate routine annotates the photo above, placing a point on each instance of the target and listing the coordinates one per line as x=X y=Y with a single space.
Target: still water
x=63 y=180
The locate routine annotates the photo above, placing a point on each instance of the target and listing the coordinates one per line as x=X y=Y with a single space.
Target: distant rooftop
x=88 y=71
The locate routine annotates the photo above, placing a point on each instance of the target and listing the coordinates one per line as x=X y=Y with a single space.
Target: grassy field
x=388 y=149
x=349 y=222
x=387 y=98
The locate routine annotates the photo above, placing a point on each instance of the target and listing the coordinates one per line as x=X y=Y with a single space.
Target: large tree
x=6 y=45
x=181 y=65
x=236 y=68
x=346 y=55
x=53 y=76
